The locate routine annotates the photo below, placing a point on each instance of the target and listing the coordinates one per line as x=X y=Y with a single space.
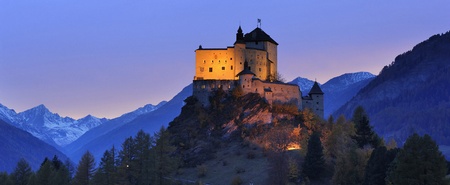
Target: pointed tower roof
x=246 y=71
x=258 y=35
x=315 y=89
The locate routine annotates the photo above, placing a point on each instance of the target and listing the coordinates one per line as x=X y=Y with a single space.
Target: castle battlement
x=251 y=64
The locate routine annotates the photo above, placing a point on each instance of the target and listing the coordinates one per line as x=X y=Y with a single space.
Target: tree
x=419 y=162
x=4 y=179
x=107 y=170
x=143 y=163
x=44 y=173
x=314 y=163
x=127 y=159
x=21 y=173
x=164 y=162
x=364 y=134
x=85 y=169
x=378 y=165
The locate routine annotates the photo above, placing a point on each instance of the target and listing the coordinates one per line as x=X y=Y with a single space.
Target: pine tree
x=21 y=173
x=364 y=134
x=4 y=179
x=44 y=173
x=85 y=170
x=127 y=161
x=106 y=173
x=378 y=165
x=419 y=162
x=164 y=162
x=314 y=163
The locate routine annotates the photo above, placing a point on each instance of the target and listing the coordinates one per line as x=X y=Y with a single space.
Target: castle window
x=212 y=61
x=203 y=86
x=231 y=58
x=204 y=61
x=219 y=61
x=249 y=68
x=225 y=61
x=212 y=86
x=259 y=69
x=223 y=68
x=243 y=86
x=231 y=67
x=210 y=70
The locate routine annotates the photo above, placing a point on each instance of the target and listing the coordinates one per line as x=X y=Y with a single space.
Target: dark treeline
x=142 y=160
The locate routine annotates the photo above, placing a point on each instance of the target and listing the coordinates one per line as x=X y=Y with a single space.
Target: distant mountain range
x=16 y=144
x=56 y=130
x=114 y=132
x=411 y=95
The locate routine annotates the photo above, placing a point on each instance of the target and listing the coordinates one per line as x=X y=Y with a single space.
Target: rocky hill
x=412 y=94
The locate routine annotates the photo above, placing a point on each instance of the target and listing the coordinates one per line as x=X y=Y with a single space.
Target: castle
x=250 y=64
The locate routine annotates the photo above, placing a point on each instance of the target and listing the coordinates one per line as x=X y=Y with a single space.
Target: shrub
x=202 y=170
x=239 y=170
x=236 y=181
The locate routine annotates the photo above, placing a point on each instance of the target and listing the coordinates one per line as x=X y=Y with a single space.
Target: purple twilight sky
x=108 y=57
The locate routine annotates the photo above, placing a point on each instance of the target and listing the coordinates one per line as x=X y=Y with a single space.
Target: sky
x=109 y=57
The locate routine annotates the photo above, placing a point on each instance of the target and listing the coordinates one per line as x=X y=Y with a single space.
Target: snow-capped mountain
x=304 y=84
x=111 y=125
x=48 y=126
x=346 y=80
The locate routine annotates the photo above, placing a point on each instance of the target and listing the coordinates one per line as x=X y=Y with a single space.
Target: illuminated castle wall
x=250 y=64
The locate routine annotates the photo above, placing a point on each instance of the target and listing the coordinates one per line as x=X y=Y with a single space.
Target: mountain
x=16 y=143
x=339 y=90
x=50 y=127
x=304 y=84
x=411 y=95
x=110 y=125
x=149 y=122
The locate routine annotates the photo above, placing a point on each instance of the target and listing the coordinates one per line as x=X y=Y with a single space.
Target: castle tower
x=245 y=78
x=316 y=94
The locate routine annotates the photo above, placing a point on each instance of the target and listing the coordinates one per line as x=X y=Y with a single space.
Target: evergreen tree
x=314 y=163
x=419 y=162
x=44 y=173
x=4 y=179
x=164 y=162
x=21 y=173
x=143 y=143
x=127 y=161
x=85 y=170
x=378 y=165
x=106 y=173
x=364 y=134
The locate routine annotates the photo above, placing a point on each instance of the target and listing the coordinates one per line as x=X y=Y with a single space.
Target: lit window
x=203 y=86
x=210 y=70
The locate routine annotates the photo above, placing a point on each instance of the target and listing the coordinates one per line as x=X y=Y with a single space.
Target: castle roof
x=258 y=35
x=246 y=71
x=315 y=89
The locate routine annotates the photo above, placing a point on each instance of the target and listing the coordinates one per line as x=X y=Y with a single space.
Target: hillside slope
x=16 y=144
x=412 y=94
